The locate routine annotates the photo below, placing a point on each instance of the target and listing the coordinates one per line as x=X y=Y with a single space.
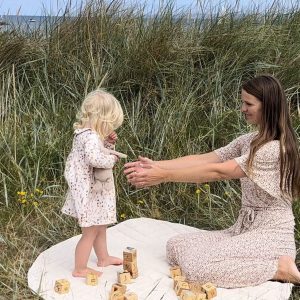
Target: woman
x=260 y=246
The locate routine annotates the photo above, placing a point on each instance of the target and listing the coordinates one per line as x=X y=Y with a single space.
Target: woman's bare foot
x=84 y=272
x=287 y=270
x=110 y=260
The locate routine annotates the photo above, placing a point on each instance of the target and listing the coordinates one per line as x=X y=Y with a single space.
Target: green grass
x=178 y=78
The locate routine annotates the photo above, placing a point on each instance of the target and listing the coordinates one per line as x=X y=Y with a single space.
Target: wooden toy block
x=180 y=287
x=116 y=295
x=188 y=295
x=119 y=287
x=178 y=278
x=196 y=287
x=91 y=279
x=210 y=290
x=175 y=271
x=62 y=286
x=124 y=277
x=131 y=296
x=131 y=267
x=129 y=254
x=201 y=296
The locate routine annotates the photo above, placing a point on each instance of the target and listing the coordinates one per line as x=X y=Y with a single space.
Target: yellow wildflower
x=39 y=191
x=140 y=202
x=198 y=191
x=206 y=186
x=123 y=216
x=21 y=193
x=35 y=203
x=23 y=201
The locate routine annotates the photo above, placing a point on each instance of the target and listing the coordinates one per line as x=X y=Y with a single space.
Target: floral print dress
x=247 y=253
x=91 y=201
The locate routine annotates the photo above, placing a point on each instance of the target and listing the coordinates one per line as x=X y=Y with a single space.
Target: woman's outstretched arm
x=177 y=163
x=153 y=174
x=188 y=161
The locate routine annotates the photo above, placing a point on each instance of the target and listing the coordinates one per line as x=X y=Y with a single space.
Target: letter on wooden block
x=210 y=290
x=178 y=278
x=131 y=296
x=129 y=254
x=180 y=287
x=124 y=277
x=91 y=279
x=62 y=286
x=116 y=295
x=175 y=271
x=131 y=267
x=119 y=287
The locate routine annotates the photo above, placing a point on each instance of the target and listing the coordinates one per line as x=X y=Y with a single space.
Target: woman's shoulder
x=247 y=137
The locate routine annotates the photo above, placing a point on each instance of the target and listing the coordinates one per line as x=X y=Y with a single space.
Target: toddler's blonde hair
x=101 y=111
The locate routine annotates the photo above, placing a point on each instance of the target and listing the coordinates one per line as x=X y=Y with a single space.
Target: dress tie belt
x=247 y=215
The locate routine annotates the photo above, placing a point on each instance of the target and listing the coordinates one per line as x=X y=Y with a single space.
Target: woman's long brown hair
x=276 y=125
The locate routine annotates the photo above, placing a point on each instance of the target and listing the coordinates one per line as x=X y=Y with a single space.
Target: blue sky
x=54 y=7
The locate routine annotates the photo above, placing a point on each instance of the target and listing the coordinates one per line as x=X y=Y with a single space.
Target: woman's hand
x=144 y=173
x=143 y=162
x=144 y=177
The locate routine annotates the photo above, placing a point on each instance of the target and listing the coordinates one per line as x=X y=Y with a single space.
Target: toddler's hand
x=112 y=138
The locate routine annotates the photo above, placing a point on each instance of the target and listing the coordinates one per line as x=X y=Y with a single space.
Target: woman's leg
x=287 y=270
x=100 y=247
x=83 y=251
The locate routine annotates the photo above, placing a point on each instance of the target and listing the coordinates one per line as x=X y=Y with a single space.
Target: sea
x=27 y=23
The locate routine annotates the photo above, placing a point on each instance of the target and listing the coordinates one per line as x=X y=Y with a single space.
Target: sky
x=56 y=7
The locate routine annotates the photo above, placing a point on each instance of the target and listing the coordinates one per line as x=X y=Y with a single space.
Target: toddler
x=91 y=192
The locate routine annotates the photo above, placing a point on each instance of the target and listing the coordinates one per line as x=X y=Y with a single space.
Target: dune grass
x=178 y=77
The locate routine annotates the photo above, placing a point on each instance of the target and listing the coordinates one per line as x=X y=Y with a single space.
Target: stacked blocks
x=191 y=291
x=130 y=271
x=62 y=286
x=130 y=261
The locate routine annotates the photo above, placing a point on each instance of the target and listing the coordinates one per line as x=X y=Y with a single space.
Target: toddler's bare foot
x=84 y=272
x=110 y=260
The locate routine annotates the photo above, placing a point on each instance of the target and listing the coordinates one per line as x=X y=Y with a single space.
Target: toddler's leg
x=100 y=247
x=83 y=251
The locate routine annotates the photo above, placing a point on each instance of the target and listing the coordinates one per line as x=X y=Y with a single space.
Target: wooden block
x=131 y=267
x=91 y=279
x=131 y=296
x=62 y=286
x=210 y=290
x=188 y=295
x=178 y=278
x=180 y=287
x=175 y=271
x=201 y=296
x=119 y=287
x=196 y=287
x=116 y=295
x=124 y=277
x=129 y=254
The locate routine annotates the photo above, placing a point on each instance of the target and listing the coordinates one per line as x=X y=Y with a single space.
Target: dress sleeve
x=233 y=149
x=95 y=156
x=109 y=145
x=265 y=171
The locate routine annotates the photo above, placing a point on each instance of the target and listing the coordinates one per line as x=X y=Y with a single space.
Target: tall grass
x=178 y=77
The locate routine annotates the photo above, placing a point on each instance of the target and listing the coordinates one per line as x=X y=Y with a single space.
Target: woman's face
x=251 y=108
